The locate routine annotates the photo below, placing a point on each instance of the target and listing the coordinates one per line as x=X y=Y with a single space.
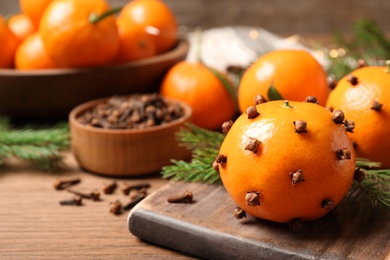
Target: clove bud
x=186 y=197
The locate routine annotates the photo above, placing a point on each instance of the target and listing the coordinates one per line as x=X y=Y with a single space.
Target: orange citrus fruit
x=21 y=25
x=32 y=55
x=364 y=96
x=198 y=86
x=9 y=43
x=295 y=74
x=284 y=161
x=156 y=18
x=134 y=42
x=34 y=9
x=74 y=36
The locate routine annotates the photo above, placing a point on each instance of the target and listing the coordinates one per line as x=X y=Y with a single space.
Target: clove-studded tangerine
x=364 y=97
x=292 y=175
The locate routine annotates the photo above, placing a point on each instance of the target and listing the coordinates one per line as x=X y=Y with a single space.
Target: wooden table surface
x=34 y=225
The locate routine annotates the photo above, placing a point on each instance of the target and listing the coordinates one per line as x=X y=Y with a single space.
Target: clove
x=94 y=195
x=64 y=184
x=239 y=213
x=127 y=188
x=296 y=177
x=352 y=79
x=252 y=198
x=311 y=99
x=77 y=201
x=226 y=126
x=343 y=154
x=349 y=125
x=376 y=106
x=260 y=99
x=300 y=126
x=252 y=112
x=116 y=207
x=338 y=116
x=296 y=224
x=110 y=188
x=252 y=145
x=186 y=197
x=328 y=204
x=134 y=201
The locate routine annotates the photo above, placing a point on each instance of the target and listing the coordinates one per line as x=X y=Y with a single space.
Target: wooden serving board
x=208 y=229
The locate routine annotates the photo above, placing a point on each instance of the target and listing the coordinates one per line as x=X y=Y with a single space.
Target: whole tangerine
x=34 y=9
x=31 y=55
x=21 y=25
x=9 y=43
x=79 y=33
x=295 y=74
x=134 y=42
x=199 y=87
x=283 y=161
x=155 y=18
x=364 y=96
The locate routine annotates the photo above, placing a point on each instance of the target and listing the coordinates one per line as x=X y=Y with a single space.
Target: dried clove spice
x=64 y=184
x=116 y=207
x=134 y=201
x=186 y=197
x=110 y=188
x=94 y=195
x=132 y=112
x=77 y=201
x=128 y=188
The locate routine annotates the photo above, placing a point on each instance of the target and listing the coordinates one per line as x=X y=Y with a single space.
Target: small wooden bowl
x=51 y=94
x=126 y=152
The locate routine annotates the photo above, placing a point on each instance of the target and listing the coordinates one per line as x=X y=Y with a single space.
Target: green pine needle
x=41 y=146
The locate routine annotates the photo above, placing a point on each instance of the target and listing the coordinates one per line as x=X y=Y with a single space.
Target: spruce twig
x=41 y=146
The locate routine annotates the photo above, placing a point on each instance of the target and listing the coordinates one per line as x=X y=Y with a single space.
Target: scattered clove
x=110 y=188
x=296 y=225
x=116 y=207
x=134 y=201
x=77 y=201
x=186 y=197
x=134 y=193
x=64 y=184
x=127 y=188
x=239 y=213
x=94 y=195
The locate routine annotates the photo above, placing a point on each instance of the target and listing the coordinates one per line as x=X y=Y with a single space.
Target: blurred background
x=314 y=18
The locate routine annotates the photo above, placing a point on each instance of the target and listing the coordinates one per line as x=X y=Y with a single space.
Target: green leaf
x=273 y=93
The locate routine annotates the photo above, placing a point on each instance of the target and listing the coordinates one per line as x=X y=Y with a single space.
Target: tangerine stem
x=286 y=104
x=93 y=18
x=388 y=66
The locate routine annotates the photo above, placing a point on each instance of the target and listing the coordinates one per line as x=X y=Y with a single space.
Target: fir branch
x=204 y=145
x=40 y=146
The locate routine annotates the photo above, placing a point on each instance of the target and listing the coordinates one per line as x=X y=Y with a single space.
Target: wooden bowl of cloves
x=126 y=136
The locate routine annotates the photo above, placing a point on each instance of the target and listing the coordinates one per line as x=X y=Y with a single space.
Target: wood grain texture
x=207 y=229
x=34 y=225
